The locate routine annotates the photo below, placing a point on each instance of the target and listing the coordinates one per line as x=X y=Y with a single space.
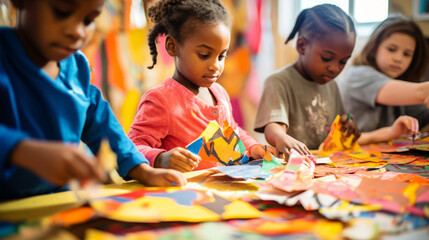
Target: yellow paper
x=337 y=141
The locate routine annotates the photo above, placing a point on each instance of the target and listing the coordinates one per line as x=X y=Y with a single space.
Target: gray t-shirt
x=307 y=108
x=359 y=86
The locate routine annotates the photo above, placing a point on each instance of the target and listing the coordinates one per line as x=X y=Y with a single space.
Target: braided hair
x=320 y=20
x=169 y=17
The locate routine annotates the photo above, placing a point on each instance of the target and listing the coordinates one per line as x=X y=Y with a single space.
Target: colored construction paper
x=195 y=146
x=414 y=169
x=243 y=171
x=400 y=197
x=297 y=175
x=271 y=163
x=72 y=216
x=323 y=160
x=337 y=140
x=422 y=147
x=188 y=205
x=223 y=146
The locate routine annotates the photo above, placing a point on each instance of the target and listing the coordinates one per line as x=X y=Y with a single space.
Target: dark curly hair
x=170 y=15
x=320 y=20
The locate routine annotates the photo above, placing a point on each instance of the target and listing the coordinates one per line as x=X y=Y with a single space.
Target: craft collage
x=359 y=193
x=214 y=119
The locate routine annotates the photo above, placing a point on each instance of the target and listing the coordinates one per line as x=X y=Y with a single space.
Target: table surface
x=31 y=213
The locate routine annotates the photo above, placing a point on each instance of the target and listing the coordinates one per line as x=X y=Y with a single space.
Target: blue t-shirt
x=67 y=109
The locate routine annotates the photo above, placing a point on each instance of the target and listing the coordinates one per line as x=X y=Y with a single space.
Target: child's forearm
x=273 y=131
x=376 y=136
x=422 y=92
x=400 y=93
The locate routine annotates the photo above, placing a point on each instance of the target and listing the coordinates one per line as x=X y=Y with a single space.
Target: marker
x=348 y=117
x=414 y=138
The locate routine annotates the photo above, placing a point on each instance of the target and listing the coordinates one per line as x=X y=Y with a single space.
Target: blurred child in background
x=381 y=84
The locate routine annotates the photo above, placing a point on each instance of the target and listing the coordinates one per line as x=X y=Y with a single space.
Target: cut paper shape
x=297 y=175
x=195 y=146
x=395 y=223
x=369 y=160
x=326 y=170
x=337 y=141
x=421 y=147
x=303 y=165
x=222 y=146
x=71 y=217
x=382 y=193
x=361 y=229
x=271 y=164
x=414 y=169
x=345 y=211
x=88 y=189
x=172 y=204
x=323 y=160
x=206 y=230
x=243 y=171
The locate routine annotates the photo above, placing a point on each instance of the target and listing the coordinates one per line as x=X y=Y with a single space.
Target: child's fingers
x=85 y=168
x=343 y=118
x=415 y=126
x=356 y=137
x=190 y=155
x=300 y=150
x=183 y=160
x=175 y=178
x=285 y=152
x=305 y=150
x=411 y=124
x=182 y=165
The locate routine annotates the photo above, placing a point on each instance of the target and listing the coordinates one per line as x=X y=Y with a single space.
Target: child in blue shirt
x=48 y=106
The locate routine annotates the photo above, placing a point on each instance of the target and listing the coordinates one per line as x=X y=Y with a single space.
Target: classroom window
x=366 y=13
x=369 y=11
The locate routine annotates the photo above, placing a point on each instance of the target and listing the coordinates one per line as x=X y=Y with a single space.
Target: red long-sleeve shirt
x=169 y=116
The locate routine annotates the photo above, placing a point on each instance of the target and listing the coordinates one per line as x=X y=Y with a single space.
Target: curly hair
x=396 y=24
x=169 y=17
x=320 y=20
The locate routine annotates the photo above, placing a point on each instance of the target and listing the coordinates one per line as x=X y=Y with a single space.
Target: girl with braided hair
x=300 y=101
x=174 y=113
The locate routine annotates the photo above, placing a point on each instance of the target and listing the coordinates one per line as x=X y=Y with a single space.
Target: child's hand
x=179 y=159
x=56 y=162
x=404 y=125
x=258 y=151
x=285 y=143
x=150 y=176
x=348 y=127
x=426 y=102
